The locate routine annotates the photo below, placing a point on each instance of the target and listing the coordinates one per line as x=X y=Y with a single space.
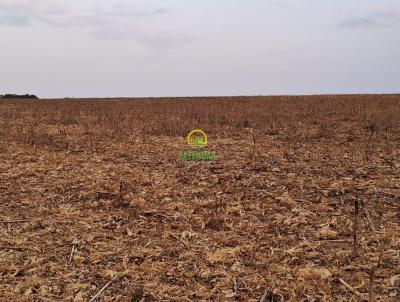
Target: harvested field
x=302 y=203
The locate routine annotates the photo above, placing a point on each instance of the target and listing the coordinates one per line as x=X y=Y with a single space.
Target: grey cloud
x=14 y=19
x=151 y=40
x=71 y=13
x=13 y=14
x=30 y=11
x=109 y=22
x=127 y=10
x=367 y=21
x=386 y=15
x=377 y=18
x=161 y=11
x=80 y=19
x=163 y=40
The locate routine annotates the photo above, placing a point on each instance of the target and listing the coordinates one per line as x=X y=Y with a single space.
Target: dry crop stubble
x=96 y=203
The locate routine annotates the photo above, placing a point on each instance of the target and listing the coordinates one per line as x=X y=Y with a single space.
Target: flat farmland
x=302 y=202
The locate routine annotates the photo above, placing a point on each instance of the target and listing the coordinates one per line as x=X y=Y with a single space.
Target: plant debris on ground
x=301 y=204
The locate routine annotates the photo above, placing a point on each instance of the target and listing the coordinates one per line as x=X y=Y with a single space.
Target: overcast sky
x=99 y=48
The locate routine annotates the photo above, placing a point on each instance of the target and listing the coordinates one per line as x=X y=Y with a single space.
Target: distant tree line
x=18 y=96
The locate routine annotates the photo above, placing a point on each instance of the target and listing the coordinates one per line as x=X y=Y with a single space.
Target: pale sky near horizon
x=122 y=48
